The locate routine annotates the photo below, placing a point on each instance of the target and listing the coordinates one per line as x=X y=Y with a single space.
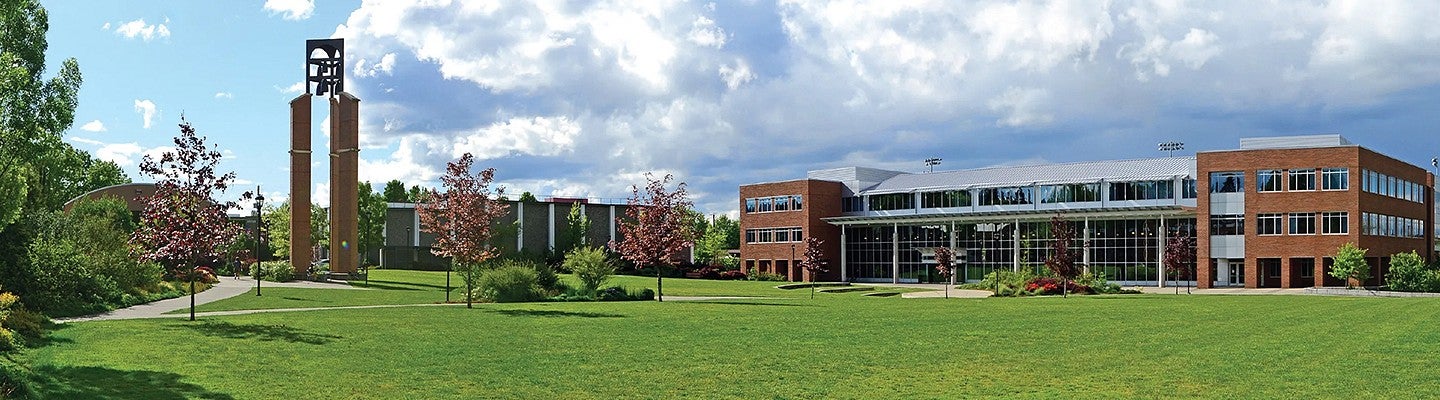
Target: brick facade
x=821 y=199
x=1263 y=252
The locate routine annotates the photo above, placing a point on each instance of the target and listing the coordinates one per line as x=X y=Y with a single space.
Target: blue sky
x=580 y=99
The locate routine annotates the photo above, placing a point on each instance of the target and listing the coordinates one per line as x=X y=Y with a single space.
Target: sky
x=582 y=99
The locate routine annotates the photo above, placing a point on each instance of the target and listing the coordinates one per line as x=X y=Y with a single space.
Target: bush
x=1097 y=283
x=1408 y=273
x=277 y=271
x=1004 y=283
x=732 y=275
x=709 y=273
x=756 y=275
x=509 y=284
x=618 y=293
x=545 y=277
x=591 y=266
x=15 y=379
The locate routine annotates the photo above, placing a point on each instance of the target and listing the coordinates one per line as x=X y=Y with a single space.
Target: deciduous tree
x=371 y=220
x=395 y=192
x=34 y=111
x=1180 y=256
x=183 y=227
x=576 y=227
x=1062 y=256
x=1350 y=265
x=812 y=262
x=944 y=257
x=462 y=219
x=655 y=227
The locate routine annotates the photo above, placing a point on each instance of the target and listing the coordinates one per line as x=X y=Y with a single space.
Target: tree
x=1350 y=265
x=462 y=219
x=183 y=227
x=418 y=194
x=277 y=223
x=34 y=112
x=812 y=262
x=371 y=220
x=944 y=256
x=1062 y=257
x=1408 y=273
x=395 y=192
x=655 y=227
x=1180 y=256
x=526 y=197
x=576 y=227
x=730 y=230
x=591 y=266
x=319 y=226
x=711 y=246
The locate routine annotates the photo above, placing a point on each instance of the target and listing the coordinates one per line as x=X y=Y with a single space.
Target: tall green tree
x=277 y=228
x=576 y=227
x=729 y=229
x=34 y=111
x=372 y=220
x=395 y=192
x=526 y=197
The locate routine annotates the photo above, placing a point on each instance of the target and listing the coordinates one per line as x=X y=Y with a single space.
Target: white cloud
x=703 y=32
x=93 y=126
x=119 y=153
x=1021 y=107
x=364 y=68
x=320 y=194
x=139 y=29
x=291 y=9
x=736 y=75
x=538 y=136
x=294 y=88
x=148 y=111
x=224 y=95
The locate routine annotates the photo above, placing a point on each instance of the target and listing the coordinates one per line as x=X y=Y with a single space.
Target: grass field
x=784 y=346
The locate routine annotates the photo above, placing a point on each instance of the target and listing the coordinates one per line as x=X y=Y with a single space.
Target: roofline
x=991 y=216
x=791 y=180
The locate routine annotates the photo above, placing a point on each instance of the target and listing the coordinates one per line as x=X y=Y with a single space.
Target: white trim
x=550 y=222
x=520 y=226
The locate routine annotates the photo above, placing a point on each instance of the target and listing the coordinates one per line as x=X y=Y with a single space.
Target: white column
x=895 y=253
x=1085 y=245
x=1160 y=254
x=1015 y=245
x=520 y=226
x=415 y=216
x=844 y=268
x=612 y=223
x=1222 y=269
x=550 y=222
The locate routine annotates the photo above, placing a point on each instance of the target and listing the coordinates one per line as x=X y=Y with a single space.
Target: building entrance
x=1237 y=273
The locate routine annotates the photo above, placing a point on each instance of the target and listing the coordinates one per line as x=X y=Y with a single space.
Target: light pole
x=792 y=259
x=1171 y=147
x=931 y=163
x=259 y=204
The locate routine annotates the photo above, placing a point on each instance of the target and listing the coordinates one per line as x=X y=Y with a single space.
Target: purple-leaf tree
x=462 y=219
x=944 y=257
x=183 y=227
x=655 y=227
x=812 y=263
x=1179 y=256
x=1062 y=257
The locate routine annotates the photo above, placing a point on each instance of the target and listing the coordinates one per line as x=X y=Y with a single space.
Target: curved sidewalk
x=227 y=288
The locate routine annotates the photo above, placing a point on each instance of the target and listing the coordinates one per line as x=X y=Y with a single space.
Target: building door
x=1237 y=273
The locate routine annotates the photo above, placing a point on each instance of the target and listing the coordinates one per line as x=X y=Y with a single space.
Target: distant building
x=134 y=195
x=1269 y=214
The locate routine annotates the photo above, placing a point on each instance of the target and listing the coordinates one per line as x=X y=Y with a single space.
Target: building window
x=1268 y=224
x=852 y=204
x=893 y=201
x=1006 y=196
x=1267 y=180
x=795 y=201
x=1228 y=224
x=782 y=235
x=750 y=205
x=1335 y=179
x=1187 y=189
x=782 y=203
x=766 y=205
x=1080 y=192
x=1302 y=179
x=767 y=236
x=1302 y=223
x=1227 y=182
x=1335 y=223
x=1368 y=177
x=945 y=198
x=1146 y=190
x=749 y=236
x=796 y=236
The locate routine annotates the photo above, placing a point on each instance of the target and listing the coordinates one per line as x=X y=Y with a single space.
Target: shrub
x=509 y=284
x=15 y=379
x=756 y=275
x=1408 y=273
x=591 y=266
x=732 y=275
x=1004 y=283
x=709 y=272
x=277 y=271
x=618 y=293
x=1097 y=283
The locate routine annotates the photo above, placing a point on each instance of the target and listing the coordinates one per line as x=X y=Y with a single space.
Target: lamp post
x=930 y=163
x=259 y=223
x=792 y=262
x=1171 y=147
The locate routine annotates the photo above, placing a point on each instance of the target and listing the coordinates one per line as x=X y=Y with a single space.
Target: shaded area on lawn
x=555 y=313
x=105 y=383
x=256 y=331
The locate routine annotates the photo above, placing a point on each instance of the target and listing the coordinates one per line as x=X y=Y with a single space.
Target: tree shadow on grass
x=397 y=285
x=555 y=313
x=47 y=336
x=742 y=303
x=385 y=286
x=256 y=331
x=104 y=383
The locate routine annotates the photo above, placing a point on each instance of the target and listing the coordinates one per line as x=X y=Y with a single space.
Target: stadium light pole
x=1171 y=147
x=930 y=163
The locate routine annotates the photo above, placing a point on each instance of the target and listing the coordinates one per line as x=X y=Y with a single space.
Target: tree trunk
x=192 y=296
x=658 y=293
x=447 y=281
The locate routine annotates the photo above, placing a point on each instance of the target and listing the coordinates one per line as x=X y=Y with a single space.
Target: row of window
x=1275 y=180
x=773 y=203
x=1389 y=225
x=1069 y=193
x=1301 y=223
x=774 y=235
x=1386 y=185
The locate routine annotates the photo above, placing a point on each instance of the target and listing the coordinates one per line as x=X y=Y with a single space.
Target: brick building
x=1270 y=214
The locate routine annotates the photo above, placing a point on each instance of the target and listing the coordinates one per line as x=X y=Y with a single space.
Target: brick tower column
x=344 y=183
x=300 y=183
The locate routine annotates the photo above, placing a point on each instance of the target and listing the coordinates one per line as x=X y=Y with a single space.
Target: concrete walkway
x=933 y=290
x=1264 y=291
x=227 y=288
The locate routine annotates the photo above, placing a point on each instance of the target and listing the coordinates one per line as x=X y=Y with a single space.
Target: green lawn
x=786 y=346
